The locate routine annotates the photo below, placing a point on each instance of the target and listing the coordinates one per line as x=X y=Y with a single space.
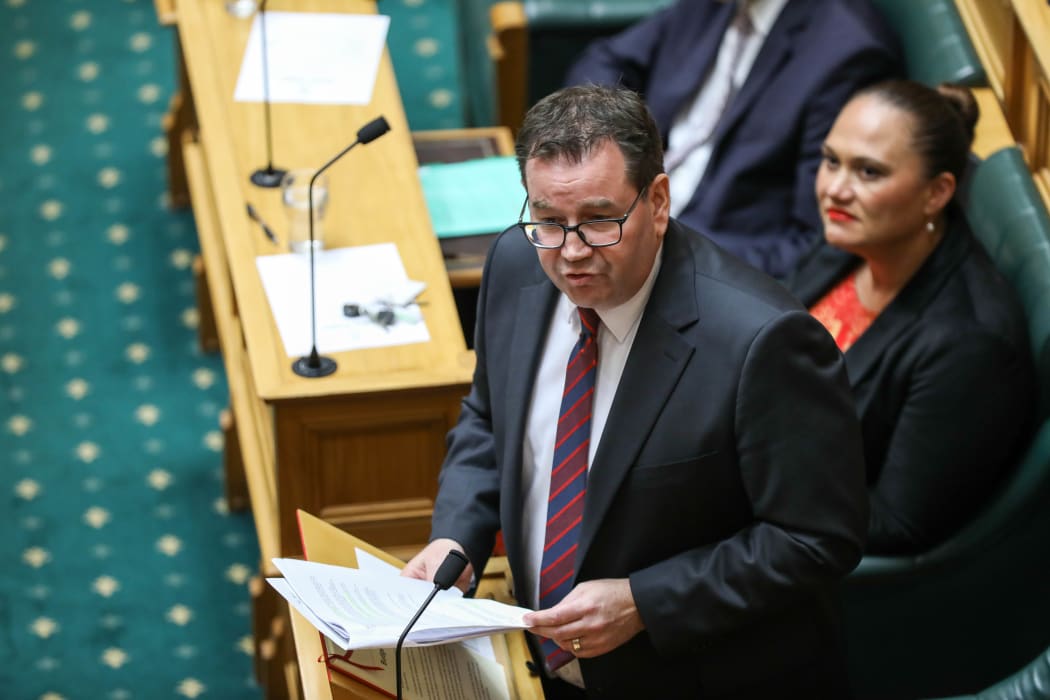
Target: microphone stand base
x=267 y=177
x=324 y=367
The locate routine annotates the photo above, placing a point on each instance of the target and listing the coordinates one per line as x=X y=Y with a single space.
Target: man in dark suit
x=713 y=486
x=748 y=182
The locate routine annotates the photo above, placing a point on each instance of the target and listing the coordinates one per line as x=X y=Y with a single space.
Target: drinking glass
x=241 y=8
x=295 y=196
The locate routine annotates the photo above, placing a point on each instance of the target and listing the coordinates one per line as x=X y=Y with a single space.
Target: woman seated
x=934 y=338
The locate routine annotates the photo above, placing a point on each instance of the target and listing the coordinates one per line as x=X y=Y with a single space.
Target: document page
x=360 y=275
x=366 y=610
x=313 y=58
x=446 y=672
x=367 y=562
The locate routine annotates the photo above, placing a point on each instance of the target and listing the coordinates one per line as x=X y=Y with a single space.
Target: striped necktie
x=569 y=477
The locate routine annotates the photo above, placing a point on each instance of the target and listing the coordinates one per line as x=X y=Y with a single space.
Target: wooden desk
x=362 y=447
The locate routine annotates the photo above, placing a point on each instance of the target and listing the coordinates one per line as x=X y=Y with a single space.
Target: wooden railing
x=1012 y=38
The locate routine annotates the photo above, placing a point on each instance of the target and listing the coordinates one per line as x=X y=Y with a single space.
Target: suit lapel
x=656 y=361
x=776 y=50
x=819 y=271
x=534 y=308
x=904 y=311
x=698 y=55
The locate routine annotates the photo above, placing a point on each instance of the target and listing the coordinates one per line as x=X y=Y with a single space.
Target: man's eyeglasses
x=597 y=233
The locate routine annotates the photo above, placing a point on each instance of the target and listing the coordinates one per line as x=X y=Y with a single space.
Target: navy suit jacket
x=728 y=483
x=944 y=386
x=756 y=197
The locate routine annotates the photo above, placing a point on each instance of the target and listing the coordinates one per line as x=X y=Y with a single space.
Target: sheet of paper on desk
x=314 y=58
x=472 y=197
x=359 y=274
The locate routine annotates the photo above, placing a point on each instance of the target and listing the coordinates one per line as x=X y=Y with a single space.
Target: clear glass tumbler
x=241 y=8
x=295 y=196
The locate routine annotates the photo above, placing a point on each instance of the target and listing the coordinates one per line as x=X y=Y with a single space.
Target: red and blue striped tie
x=569 y=477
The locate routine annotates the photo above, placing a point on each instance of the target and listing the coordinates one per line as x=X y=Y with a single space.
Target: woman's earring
x=930 y=227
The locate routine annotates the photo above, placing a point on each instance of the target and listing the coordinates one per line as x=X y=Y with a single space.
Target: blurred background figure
x=743 y=93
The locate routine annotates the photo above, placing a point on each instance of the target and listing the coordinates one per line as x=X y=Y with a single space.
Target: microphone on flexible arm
x=268 y=176
x=315 y=365
x=447 y=574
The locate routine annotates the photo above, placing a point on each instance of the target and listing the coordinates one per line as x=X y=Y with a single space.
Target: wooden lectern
x=328 y=544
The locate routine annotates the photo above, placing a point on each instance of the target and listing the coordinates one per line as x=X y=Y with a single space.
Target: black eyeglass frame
x=620 y=221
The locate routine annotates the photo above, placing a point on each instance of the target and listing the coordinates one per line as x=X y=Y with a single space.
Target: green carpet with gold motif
x=123 y=573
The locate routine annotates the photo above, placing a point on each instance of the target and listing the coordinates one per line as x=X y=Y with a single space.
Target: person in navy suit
x=745 y=158
x=724 y=479
x=935 y=340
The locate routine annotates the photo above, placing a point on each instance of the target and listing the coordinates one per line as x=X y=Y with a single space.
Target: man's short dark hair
x=574 y=121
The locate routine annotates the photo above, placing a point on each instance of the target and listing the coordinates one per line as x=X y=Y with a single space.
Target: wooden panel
x=1037 y=137
x=992 y=132
x=990 y=26
x=235 y=479
x=1027 y=97
x=254 y=430
x=402 y=525
x=1012 y=38
x=367 y=461
x=207 y=335
x=180 y=119
x=509 y=47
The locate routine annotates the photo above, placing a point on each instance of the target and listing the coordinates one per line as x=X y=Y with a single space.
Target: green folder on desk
x=472 y=197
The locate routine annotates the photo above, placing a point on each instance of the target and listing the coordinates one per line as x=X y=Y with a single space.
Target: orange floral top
x=841 y=312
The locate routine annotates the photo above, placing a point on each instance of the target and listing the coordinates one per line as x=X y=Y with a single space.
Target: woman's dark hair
x=943 y=121
x=573 y=121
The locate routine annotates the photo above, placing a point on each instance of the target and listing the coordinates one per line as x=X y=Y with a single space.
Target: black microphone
x=372 y=130
x=315 y=365
x=268 y=176
x=446 y=575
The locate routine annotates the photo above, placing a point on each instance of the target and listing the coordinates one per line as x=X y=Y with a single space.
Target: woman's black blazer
x=944 y=386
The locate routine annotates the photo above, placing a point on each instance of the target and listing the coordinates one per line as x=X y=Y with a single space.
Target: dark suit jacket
x=944 y=386
x=756 y=197
x=728 y=482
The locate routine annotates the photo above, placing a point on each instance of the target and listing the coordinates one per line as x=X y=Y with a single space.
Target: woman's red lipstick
x=839 y=215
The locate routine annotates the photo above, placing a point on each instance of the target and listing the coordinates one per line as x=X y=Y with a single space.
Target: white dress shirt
x=615 y=338
x=697 y=119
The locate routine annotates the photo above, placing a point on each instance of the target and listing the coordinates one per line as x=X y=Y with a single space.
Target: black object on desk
x=316 y=365
x=269 y=176
x=254 y=216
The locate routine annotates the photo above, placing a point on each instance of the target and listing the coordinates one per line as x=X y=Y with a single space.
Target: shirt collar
x=763 y=13
x=620 y=319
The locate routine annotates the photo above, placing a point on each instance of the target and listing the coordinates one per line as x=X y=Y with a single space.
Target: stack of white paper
x=368 y=610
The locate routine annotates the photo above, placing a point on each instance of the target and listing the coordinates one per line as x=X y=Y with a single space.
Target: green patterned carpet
x=124 y=575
